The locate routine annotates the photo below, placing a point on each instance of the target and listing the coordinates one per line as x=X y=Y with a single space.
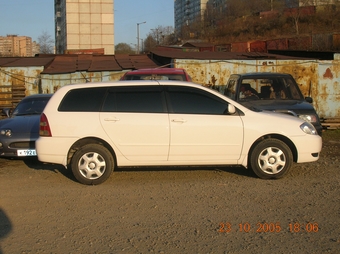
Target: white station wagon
x=93 y=128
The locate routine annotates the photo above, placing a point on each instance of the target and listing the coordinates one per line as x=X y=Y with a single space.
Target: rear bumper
x=53 y=150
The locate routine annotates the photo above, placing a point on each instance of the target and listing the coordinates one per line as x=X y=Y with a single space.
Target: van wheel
x=92 y=164
x=271 y=158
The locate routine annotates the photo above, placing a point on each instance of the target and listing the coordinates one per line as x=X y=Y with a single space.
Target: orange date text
x=268 y=227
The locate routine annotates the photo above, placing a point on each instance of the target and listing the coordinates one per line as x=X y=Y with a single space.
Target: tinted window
x=188 y=100
x=147 y=99
x=83 y=100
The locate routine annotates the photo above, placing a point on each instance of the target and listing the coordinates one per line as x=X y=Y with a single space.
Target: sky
x=33 y=17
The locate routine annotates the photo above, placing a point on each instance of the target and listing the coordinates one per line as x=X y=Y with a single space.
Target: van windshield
x=272 y=88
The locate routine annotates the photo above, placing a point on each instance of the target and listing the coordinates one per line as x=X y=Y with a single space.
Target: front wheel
x=92 y=164
x=271 y=158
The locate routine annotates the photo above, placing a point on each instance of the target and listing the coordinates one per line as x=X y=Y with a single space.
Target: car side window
x=189 y=100
x=83 y=100
x=146 y=99
x=292 y=89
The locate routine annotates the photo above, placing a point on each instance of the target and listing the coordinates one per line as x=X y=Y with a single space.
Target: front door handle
x=178 y=121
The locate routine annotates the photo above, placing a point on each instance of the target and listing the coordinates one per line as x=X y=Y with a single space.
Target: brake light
x=44 y=129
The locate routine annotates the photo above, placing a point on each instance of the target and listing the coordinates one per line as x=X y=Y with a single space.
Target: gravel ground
x=188 y=210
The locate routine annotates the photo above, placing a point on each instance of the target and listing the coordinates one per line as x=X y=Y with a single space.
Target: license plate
x=29 y=152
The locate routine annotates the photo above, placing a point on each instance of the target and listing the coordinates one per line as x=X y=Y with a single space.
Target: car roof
x=262 y=74
x=129 y=83
x=156 y=71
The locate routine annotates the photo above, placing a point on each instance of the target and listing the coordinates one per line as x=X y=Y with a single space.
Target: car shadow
x=236 y=170
x=35 y=164
x=5 y=226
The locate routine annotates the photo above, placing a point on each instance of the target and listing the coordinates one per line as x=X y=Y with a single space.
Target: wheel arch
x=284 y=139
x=89 y=140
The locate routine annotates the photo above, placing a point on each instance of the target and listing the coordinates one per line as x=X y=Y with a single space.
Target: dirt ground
x=188 y=210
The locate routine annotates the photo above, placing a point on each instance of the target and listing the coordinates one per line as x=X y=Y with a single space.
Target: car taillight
x=44 y=130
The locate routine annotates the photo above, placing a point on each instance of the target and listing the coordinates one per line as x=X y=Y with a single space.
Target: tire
x=92 y=164
x=271 y=158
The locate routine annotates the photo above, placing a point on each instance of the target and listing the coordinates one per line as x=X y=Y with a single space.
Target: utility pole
x=138 y=35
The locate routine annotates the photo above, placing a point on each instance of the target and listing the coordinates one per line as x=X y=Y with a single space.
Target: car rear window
x=83 y=100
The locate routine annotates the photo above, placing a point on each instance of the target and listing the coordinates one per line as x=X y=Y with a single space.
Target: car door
x=201 y=131
x=136 y=121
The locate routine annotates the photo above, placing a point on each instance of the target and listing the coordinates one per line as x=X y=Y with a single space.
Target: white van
x=93 y=128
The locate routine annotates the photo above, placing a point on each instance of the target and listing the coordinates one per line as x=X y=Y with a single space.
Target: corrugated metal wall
x=51 y=83
x=16 y=83
x=318 y=79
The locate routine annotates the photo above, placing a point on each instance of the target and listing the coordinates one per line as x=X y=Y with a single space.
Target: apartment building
x=17 y=46
x=84 y=25
x=187 y=12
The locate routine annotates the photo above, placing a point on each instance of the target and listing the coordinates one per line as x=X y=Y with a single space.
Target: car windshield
x=272 y=88
x=30 y=106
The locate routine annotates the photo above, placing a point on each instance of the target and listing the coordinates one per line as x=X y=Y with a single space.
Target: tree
x=150 y=43
x=123 y=48
x=296 y=15
x=46 y=43
x=162 y=35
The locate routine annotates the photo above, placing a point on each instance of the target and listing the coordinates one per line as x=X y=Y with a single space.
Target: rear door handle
x=111 y=119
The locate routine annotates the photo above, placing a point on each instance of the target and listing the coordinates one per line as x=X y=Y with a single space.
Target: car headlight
x=308 y=128
x=309 y=118
x=6 y=132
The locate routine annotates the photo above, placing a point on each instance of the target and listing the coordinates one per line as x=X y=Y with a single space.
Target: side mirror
x=6 y=111
x=309 y=99
x=230 y=110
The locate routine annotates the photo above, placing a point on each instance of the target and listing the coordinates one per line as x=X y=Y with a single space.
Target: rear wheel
x=92 y=164
x=271 y=158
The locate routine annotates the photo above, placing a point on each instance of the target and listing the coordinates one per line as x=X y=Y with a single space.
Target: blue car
x=20 y=130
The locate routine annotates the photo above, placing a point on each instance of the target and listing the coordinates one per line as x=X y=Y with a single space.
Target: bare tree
x=46 y=43
x=162 y=35
x=296 y=15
